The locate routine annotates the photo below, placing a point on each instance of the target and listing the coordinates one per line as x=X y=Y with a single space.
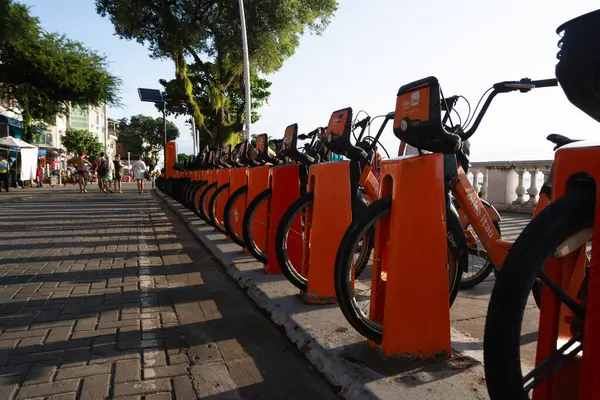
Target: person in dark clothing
x=4 y=173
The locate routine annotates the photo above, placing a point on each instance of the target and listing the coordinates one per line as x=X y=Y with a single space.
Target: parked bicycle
x=555 y=251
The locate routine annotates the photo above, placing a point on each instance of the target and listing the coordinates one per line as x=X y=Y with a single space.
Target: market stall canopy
x=11 y=142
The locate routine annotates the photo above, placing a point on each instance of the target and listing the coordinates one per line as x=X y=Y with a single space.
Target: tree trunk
x=192 y=105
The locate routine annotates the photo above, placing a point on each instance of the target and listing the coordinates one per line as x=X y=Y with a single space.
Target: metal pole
x=246 y=68
x=195 y=144
x=165 y=129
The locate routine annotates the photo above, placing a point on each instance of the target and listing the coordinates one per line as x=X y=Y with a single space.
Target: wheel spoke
x=562 y=295
x=552 y=363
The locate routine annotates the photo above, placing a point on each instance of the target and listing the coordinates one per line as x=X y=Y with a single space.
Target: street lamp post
x=246 y=68
x=155 y=96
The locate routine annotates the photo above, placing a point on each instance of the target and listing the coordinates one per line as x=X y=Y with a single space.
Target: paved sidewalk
x=109 y=296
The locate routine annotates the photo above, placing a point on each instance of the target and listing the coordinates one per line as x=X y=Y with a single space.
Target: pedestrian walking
x=4 y=173
x=139 y=174
x=109 y=168
x=118 y=177
x=100 y=171
x=82 y=164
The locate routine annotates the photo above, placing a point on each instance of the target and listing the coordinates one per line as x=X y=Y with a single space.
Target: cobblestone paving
x=108 y=296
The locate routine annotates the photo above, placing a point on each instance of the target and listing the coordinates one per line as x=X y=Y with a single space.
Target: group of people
x=109 y=173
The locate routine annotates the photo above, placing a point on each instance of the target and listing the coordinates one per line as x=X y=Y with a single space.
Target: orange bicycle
x=422 y=119
x=559 y=251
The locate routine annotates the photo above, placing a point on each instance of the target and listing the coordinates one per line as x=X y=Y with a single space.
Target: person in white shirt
x=139 y=170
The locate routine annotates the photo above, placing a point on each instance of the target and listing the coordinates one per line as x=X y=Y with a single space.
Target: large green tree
x=144 y=136
x=207 y=32
x=42 y=73
x=78 y=140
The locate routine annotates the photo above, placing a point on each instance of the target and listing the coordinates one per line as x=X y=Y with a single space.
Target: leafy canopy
x=208 y=32
x=78 y=140
x=144 y=136
x=44 y=72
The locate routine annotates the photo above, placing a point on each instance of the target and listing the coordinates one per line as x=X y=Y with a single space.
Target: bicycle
x=335 y=138
x=261 y=200
x=556 y=250
x=423 y=127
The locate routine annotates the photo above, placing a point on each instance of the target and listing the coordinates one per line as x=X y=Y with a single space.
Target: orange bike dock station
x=285 y=189
x=223 y=178
x=326 y=223
x=579 y=377
x=416 y=317
x=238 y=178
x=258 y=181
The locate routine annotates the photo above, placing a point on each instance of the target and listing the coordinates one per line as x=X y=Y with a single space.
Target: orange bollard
x=326 y=223
x=237 y=179
x=416 y=317
x=171 y=158
x=258 y=181
x=285 y=189
x=579 y=378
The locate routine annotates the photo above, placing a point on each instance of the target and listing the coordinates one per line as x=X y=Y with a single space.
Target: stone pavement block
x=163 y=396
x=34 y=358
x=48 y=389
x=142 y=387
x=184 y=388
x=154 y=358
x=88 y=370
x=127 y=371
x=95 y=387
x=212 y=379
x=57 y=334
x=63 y=396
x=40 y=373
x=165 y=372
x=76 y=357
x=24 y=334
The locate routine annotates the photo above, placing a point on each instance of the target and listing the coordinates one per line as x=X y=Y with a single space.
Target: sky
x=372 y=48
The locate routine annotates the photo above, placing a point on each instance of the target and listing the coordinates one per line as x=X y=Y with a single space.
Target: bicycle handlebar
x=524 y=85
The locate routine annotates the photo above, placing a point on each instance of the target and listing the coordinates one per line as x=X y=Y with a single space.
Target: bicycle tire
x=227 y=221
x=281 y=236
x=560 y=220
x=194 y=204
x=203 y=196
x=212 y=208
x=380 y=208
x=484 y=272
x=249 y=242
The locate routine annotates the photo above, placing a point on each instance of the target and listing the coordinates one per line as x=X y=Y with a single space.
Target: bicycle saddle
x=560 y=140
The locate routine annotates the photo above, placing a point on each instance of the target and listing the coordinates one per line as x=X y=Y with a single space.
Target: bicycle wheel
x=212 y=208
x=286 y=236
x=248 y=223
x=194 y=205
x=231 y=214
x=571 y=215
x=202 y=203
x=352 y=294
x=478 y=268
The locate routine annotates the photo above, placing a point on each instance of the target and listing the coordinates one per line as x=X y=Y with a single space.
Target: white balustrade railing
x=510 y=185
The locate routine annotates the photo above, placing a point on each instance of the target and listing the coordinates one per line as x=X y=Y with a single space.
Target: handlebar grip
x=545 y=83
x=302 y=136
x=362 y=123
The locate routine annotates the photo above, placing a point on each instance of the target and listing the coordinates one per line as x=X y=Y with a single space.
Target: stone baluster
x=533 y=190
x=520 y=190
x=484 y=185
x=476 y=187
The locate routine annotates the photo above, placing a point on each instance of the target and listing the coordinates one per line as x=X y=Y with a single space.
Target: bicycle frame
x=482 y=223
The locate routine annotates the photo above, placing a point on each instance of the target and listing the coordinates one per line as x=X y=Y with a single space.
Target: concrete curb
x=338 y=372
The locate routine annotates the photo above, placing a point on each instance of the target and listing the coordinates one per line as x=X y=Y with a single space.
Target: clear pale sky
x=371 y=49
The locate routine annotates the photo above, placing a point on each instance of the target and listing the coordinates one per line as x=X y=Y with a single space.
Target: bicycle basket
x=578 y=68
x=338 y=131
x=418 y=117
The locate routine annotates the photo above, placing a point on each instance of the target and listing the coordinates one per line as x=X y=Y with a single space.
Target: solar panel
x=150 y=95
